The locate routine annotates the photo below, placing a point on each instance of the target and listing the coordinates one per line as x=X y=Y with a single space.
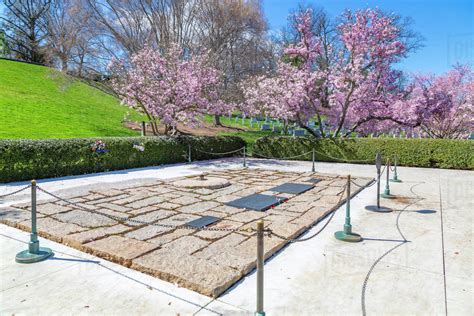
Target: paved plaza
x=206 y=261
x=414 y=260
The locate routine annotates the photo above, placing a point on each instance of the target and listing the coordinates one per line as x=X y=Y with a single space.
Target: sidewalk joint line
x=442 y=248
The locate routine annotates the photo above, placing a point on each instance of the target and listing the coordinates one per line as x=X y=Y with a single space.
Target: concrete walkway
x=429 y=273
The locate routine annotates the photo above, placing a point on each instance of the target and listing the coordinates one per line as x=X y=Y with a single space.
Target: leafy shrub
x=36 y=159
x=432 y=153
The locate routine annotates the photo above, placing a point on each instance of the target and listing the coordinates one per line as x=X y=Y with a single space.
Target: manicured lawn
x=38 y=102
x=249 y=134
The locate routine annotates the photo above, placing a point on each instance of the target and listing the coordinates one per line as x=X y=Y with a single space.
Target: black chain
x=293 y=240
x=383 y=170
x=280 y=158
x=219 y=154
x=342 y=160
x=15 y=192
x=362 y=186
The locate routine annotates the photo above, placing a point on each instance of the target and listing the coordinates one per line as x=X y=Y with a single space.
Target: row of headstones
x=270 y=125
x=399 y=135
x=258 y=121
x=276 y=126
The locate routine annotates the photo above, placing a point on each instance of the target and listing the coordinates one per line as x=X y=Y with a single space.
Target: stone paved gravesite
x=197 y=231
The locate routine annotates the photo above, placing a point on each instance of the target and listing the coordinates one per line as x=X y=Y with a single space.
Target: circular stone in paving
x=203 y=183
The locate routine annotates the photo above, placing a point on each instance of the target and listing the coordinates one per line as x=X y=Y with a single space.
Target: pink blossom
x=168 y=87
x=354 y=90
x=442 y=106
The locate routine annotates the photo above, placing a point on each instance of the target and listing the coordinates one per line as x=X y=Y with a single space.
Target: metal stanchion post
x=395 y=175
x=245 y=161
x=34 y=253
x=378 y=164
x=378 y=208
x=189 y=153
x=347 y=234
x=313 y=169
x=386 y=194
x=260 y=253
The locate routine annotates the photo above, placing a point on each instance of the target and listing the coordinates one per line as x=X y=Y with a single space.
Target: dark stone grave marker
x=257 y=202
x=292 y=188
x=203 y=221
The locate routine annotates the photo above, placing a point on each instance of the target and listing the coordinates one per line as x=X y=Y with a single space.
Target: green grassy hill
x=39 y=102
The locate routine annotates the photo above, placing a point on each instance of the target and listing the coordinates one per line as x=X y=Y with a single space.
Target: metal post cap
x=33 y=182
x=378 y=161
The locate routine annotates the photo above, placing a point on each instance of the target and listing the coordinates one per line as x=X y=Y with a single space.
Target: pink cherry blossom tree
x=286 y=95
x=442 y=106
x=168 y=87
x=348 y=81
x=363 y=85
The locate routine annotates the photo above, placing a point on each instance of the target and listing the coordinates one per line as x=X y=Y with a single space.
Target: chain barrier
x=281 y=158
x=309 y=152
x=342 y=160
x=362 y=186
x=131 y=220
x=293 y=240
x=219 y=154
x=257 y=155
x=268 y=232
x=15 y=192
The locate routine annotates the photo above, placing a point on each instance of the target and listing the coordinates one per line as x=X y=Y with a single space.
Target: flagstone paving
x=206 y=261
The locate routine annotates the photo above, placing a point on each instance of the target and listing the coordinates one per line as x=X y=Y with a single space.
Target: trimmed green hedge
x=432 y=153
x=37 y=159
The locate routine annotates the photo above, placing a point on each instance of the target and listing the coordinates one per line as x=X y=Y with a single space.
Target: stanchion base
x=387 y=196
x=396 y=180
x=26 y=256
x=259 y=314
x=374 y=208
x=352 y=237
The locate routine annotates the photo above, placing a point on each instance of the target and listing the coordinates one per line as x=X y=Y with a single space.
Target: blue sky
x=447 y=27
